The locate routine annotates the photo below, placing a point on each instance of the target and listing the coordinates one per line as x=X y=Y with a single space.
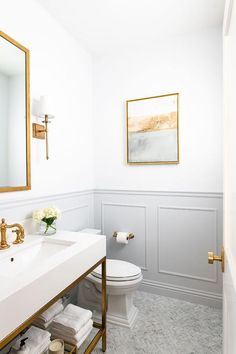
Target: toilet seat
x=119 y=271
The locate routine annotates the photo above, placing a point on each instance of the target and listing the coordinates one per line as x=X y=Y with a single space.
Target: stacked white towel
x=37 y=342
x=73 y=325
x=44 y=320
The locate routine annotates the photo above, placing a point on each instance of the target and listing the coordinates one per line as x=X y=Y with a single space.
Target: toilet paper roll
x=122 y=237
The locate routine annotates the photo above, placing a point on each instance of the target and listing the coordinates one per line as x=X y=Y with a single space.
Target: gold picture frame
x=152 y=130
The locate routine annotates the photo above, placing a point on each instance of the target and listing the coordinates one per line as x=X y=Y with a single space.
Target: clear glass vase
x=47 y=229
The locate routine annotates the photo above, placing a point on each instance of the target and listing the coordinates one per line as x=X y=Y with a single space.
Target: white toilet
x=123 y=278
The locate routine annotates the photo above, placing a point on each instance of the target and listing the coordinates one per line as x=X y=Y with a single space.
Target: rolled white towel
x=36 y=342
x=51 y=312
x=57 y=333
x=72 y=319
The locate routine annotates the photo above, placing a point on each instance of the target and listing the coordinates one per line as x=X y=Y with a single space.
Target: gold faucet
x=20 y=234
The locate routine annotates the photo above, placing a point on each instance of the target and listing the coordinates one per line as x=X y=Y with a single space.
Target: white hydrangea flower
x=46 y=213
x=38 y=215
x=52 y=212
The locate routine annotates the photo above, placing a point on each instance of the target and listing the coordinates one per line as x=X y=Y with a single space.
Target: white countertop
x=25 y=294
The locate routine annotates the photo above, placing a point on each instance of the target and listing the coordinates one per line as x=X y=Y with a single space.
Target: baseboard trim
x=182 y=293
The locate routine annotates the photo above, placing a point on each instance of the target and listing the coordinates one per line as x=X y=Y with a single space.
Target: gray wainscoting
x=77 y=210
x=173 y=233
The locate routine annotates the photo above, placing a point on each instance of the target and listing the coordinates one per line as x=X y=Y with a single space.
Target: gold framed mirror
x=15 y=167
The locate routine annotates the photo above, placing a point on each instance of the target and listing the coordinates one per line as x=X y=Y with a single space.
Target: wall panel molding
x=215 y=238
x=74 y=208
x=131 y=206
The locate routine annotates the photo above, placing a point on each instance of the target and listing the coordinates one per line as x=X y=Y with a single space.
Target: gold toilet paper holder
x=129 y=237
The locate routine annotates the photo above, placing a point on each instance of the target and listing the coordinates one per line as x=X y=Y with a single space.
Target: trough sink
x=36 y=271
x=29 y=256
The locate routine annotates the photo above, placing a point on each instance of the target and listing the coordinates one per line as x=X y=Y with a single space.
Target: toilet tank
x=91 y=231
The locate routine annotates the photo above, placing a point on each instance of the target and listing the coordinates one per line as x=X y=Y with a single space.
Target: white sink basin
x=34 y=272
x=21 y=260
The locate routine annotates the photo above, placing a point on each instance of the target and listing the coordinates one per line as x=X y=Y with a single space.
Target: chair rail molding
x=8 y=203
x=160 y=193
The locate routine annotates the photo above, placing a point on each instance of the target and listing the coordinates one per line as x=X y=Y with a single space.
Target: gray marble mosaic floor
x=167 y=326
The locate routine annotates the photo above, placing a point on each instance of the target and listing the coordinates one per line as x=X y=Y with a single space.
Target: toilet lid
x=118 y=271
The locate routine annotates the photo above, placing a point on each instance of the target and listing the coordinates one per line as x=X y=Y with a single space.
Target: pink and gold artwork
x=152 y=129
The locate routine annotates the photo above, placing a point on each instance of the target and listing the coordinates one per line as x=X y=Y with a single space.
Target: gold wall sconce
x=41 y=131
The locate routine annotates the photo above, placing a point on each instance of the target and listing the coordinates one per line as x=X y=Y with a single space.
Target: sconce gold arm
x=46 y=134
x=41 y=132
x=212 y=258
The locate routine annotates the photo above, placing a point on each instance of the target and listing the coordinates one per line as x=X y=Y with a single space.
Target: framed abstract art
x=153 y=130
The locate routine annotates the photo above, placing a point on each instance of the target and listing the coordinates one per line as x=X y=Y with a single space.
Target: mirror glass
x=14 y=115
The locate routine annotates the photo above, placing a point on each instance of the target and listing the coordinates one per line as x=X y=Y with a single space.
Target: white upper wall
x=61 y=68
x=107 y=25
x=189 y=64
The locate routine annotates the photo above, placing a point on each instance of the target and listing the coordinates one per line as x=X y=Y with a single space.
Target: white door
x=229 y=282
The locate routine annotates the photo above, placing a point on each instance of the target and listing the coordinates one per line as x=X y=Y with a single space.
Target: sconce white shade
x=44 y=107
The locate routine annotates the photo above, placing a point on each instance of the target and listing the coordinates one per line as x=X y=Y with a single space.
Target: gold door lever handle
x=212 y=258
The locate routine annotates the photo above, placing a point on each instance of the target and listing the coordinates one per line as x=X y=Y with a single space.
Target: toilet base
x=121 y=311
x=120 y=308
x=117 y=320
